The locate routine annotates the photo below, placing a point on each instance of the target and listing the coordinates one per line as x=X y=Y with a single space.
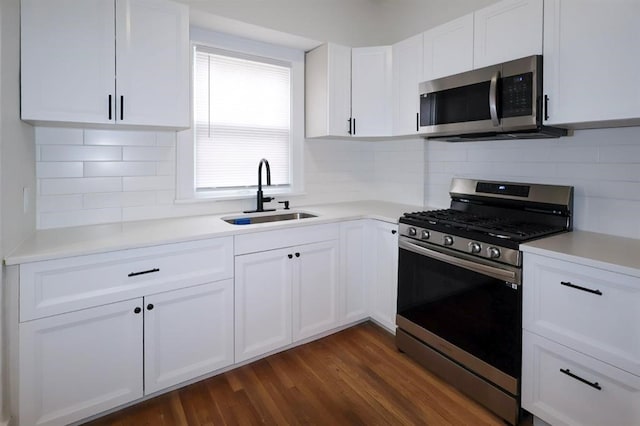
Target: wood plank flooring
x=355 y=377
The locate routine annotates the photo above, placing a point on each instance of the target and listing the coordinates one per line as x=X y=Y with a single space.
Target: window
x=247 y=106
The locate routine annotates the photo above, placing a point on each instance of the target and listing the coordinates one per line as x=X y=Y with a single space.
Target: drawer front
x=594 y=311
x=565 y=387
x=63 y=285
x=270 y=240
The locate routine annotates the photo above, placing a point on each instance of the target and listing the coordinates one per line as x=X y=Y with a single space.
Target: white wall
x=603 y=165
x=16 y=159
x=100 y=176
x=354 y=23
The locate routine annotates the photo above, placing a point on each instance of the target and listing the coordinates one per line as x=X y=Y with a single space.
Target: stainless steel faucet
x=260 y=198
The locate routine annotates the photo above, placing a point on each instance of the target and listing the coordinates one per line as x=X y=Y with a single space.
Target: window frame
x=185 y=148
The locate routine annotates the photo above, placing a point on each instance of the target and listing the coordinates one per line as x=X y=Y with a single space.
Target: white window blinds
x=242 y=114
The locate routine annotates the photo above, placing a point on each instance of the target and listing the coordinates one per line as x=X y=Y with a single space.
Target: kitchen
x=602 y=164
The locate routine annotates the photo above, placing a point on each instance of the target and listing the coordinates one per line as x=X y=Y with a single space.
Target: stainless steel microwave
x=503 y=101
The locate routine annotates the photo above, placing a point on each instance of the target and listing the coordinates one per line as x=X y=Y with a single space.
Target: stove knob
x=474 y=247
x=493 y=252
x=425 y=235
x=412 y=232
x=448 y=240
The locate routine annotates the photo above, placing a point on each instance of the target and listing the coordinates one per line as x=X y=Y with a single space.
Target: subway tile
x=57 y=203
x=620 y=154
x=102 y=200
x=80 y=185
x=166 y=139
x=165 y=197
x=120 y=137
x=78 y=218
x=164 y=168
x=80 y=153
x=148 y=183
x=148 y=153
x=119 y=168
x=59 y=169
x=58 y=136
x=139 y=198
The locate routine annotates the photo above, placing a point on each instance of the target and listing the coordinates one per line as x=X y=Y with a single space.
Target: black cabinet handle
x=149 y=306
x=417 y=121
x=110 y=107
x=297 y=254
x=546 y=107
x=354 y=127
x=121 y=108
x=588 y=290
x=394 y=232
x=568 y=372
x=349 y=131
x=290 y=256
x=150 y=271
x=137 y=310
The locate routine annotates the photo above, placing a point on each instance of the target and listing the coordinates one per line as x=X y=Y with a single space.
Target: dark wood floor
x=355 y=377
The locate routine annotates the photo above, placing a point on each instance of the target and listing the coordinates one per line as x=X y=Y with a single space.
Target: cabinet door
x=187 y=333
x=565 y=387
x=354 y=270
x=371 y=88
x=262 y=302
x=591 y=61
x=407 y=75
x=448 y=48
x=67 y=54
x=384 y=265
x=315 y=289
x=81 y=363
x=328 y=91
x=152 y=63
x=507 y=30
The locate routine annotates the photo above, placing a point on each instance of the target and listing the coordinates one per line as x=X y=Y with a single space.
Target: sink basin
x=249 y=219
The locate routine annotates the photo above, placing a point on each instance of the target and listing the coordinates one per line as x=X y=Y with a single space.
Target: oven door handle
x=492 y=271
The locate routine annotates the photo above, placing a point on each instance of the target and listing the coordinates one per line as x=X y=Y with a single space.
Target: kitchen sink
x=265 y=218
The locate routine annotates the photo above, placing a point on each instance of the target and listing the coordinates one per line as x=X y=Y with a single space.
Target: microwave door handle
x=493 y=99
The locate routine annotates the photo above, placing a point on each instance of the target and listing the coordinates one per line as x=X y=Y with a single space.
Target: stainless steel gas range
x=460 y=284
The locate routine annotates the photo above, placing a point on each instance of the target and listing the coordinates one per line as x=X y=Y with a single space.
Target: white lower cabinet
x=262 y=303
x=580 y=356
x=78 y=364
x=354 y=270
x=187 y=333
x=384 y=267
x=565 y=387
x=284 y=295
x=315 y=289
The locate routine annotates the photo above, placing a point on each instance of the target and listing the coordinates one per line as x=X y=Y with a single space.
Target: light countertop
x=81 y=240
x=603 y=251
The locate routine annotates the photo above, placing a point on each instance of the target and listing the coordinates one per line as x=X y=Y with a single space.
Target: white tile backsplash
x=62 y=169
x=119 y=168
x=119 y=138
x=79 y=153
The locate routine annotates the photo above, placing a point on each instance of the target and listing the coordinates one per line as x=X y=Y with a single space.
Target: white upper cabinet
x=371 y=88
x=407 y=75
x=591 y=62
x=152 y=60
x=507 y=30
x=448 y=48
x=348 y=91
x=328 y=91
x=105 y=62
x=60 y=82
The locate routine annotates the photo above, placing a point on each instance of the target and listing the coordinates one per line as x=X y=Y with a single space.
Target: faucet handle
x=267 y=199
x=286 y=204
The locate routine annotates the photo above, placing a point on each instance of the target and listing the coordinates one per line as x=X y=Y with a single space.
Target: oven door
x=460 y=104
x=466 y=309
